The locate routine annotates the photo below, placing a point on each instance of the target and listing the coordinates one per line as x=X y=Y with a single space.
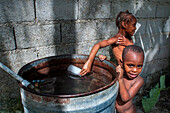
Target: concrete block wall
x=33 y=29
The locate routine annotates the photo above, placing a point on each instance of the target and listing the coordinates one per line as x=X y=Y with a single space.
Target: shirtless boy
x=126 y=23
x=129 y=79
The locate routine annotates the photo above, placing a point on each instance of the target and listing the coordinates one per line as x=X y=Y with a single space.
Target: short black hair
x=133 y=48
x=123 y=17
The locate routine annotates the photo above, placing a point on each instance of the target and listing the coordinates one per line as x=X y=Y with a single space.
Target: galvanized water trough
x=94 y=93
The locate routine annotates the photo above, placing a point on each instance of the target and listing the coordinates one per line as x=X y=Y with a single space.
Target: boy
x=129 y=79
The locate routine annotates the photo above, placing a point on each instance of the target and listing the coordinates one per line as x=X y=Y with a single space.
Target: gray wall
x=33 y=29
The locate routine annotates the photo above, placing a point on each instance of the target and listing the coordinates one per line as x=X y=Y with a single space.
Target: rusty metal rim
x=73 y=95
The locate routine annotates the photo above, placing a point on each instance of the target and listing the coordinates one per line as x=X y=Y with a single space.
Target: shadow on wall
x=8 y=85
x=66 y=13
x=29 y=32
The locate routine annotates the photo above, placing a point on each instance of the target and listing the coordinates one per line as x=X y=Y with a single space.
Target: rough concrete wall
x=33 y=29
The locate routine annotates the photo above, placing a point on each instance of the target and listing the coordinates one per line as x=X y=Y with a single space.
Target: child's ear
x=124 y=24
x=121 y=63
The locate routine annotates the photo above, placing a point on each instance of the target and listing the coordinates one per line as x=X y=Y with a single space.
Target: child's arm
x=87 y=66
x=128 y=94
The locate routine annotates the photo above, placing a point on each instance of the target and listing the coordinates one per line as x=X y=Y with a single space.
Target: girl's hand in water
x=102 y=57
x=86 y=68
x=120 y=71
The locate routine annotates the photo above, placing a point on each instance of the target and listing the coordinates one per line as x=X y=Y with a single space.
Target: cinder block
x=164 y=52
x=66 y=49
x=85 y=47
x=16 y=10
x=69 y=32
x=105 y=51
x=142 y=29
x=56 y=50
x=167 y=26
x=138 y=44
x=7 y=39
x=37 y=35
x=160 y=39
x=56 y=9
x=78 y=32
x=144 y=72
x=106 y=29
x=47 y=51
x=166 y=38
x=163 y=10
x=151 y=68
x=18 y=58
x=145 y=9
x=152 y=54
x=92 y=9
x=158 y=65
x=155 y=26
x=118 y=6
x=162 y=1
x=156 y=40
x=137 y=8
x=144 y=41
x=153 y=41
x=155 y=31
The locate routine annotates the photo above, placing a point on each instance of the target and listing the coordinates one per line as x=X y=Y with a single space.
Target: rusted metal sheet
x=92 y=93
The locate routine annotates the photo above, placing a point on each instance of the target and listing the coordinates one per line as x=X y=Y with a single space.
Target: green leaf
x=154 y=90
x=162 y=82
x=149 y=103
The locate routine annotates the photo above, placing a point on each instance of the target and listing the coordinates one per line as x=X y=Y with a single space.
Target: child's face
x=131 y=26
x=133 y=63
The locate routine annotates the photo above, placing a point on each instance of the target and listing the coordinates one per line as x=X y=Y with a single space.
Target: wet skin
x=118 y=43
x=129 y=81
x=133 y=63
x=131 y=27
x=128 y=31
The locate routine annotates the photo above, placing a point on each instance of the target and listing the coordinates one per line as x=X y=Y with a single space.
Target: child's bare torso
x=126 y=107
x=118 y=50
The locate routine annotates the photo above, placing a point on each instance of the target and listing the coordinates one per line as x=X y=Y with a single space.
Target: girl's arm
x=128 y=94
x=87 y=66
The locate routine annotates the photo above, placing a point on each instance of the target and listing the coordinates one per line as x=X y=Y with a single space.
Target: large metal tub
x=100 y=98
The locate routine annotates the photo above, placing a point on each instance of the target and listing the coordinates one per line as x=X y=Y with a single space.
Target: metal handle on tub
x=19 y=78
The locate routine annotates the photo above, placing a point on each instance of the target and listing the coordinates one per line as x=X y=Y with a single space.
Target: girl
x=126 y=24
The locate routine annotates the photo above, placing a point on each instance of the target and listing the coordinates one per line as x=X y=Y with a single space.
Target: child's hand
x=120 y=71
x=121 y=40
x=86 y=69
x=102 y=57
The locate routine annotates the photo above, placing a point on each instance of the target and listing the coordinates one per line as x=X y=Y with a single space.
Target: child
x=126 y=23
x=129 y=80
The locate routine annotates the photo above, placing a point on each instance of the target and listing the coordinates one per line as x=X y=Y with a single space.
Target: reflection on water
x=64 y=83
